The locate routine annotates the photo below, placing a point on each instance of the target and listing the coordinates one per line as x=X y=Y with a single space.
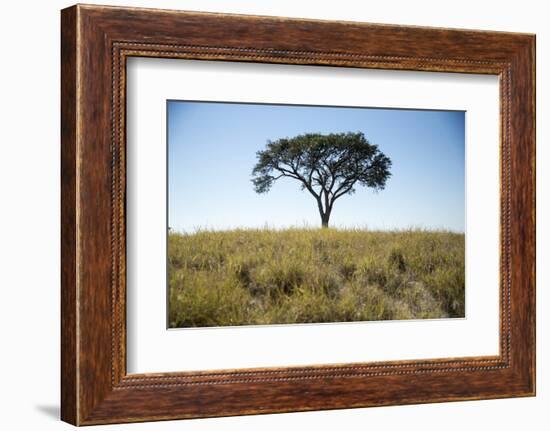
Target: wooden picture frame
x=95 y=43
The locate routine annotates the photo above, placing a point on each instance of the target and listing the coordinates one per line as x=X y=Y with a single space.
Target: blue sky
x=212 y=150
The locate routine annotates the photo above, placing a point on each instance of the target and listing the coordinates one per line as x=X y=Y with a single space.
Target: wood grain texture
x=69 y=367
x=96 y=41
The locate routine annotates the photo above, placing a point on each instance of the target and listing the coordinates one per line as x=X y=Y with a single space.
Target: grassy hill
x=254 y=277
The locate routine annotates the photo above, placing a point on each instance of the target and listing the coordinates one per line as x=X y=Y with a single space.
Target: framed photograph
x=264 y=214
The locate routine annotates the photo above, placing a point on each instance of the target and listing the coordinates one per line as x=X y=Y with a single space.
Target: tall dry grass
x=262 y=276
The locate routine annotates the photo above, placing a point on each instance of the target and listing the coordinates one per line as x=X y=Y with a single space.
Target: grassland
x=254 y=277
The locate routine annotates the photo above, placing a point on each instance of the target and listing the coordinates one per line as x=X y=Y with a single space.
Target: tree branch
x=286 y=172
x=343 y=192
x=295 y=174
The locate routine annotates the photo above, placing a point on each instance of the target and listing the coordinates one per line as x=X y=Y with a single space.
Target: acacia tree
x=327 y=166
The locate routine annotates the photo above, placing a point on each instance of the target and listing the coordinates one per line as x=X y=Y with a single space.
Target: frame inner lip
x=124 y=49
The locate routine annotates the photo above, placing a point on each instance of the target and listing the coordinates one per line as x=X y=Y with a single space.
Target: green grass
x=255 y=277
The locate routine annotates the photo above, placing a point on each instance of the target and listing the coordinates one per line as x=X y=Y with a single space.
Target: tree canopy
x=327 y=166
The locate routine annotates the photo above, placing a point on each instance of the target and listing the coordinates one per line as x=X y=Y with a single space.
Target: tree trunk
x=324 y=220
